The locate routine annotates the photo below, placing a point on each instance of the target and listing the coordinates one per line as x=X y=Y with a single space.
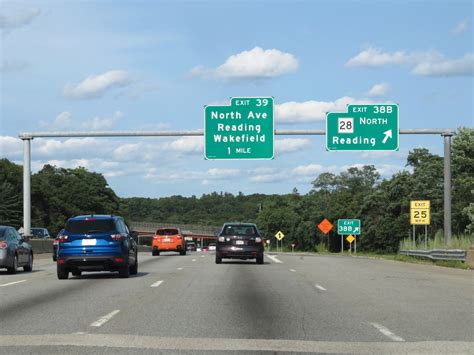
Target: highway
x=291 y=304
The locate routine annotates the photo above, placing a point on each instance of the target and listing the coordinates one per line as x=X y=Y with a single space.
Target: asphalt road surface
x=190 y=305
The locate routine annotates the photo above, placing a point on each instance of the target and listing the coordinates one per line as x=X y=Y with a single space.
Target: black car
x=239 y=241
x=96 y=243
x=14 y=251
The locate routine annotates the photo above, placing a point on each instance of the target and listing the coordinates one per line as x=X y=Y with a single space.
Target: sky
x=154 y=65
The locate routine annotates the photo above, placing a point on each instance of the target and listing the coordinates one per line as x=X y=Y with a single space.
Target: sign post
x=420 y=215
x=242 y=130
x=279 y=236
x=350 y=239
x=363 y=127
x=349 y=227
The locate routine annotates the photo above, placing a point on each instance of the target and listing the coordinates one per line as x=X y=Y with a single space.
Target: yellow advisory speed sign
x=279 y=235
x=420 y=212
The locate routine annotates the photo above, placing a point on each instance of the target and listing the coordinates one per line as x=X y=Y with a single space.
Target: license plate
x=89 y=241
x=167 y=240
x=239 y=242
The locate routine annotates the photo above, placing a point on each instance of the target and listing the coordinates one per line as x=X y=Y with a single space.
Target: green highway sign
x=242 y=130
x=348 y=226
x=363 y=127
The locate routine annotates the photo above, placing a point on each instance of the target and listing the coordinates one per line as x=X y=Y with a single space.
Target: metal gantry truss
x=28 y=136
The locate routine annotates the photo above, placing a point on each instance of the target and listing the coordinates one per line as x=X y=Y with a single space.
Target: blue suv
x=96 y=243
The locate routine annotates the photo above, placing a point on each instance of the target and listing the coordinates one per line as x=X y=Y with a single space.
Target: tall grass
x=462 y=241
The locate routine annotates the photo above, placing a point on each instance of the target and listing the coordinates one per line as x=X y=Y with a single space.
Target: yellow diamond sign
x=350 y=238
x=279 y=235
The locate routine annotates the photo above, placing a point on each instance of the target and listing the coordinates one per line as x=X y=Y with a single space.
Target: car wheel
x=29 y=266
x=124 y=272
x=63 y=273
x=182 y=252
x=14 y=268
x=134 y=267
x=155 y=252
x=76 y=273
x=260 y=259
x=218 y=259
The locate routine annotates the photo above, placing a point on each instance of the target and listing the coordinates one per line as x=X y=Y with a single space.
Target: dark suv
x=96 y=243
x=239 y=241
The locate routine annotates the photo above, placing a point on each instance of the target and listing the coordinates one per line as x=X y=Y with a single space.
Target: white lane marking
x=101 y=321
x=156 y=284
x=180 y=268
x=274 y=259
x=203 y=256
x=193 y=260
x=319 y=287
x=387 y=332
x=292 y=270
x=12 y=283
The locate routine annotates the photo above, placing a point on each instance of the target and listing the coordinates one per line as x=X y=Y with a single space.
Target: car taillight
x=179 y=237
x=221 y=239
x=3 y=245
x=258 y=240
x=62 y=238
x=116 y=236
x=155 y=237
x=55 y=242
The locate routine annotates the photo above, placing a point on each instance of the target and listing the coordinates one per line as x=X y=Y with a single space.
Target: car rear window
x=236 y=229
x=37 y=232
x=90 y=226
x=168 y=231
x=3 y=233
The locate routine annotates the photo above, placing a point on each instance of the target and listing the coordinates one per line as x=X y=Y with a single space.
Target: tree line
x=382 y=205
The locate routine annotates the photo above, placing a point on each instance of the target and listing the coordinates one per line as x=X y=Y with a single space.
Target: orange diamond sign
x=325 y=226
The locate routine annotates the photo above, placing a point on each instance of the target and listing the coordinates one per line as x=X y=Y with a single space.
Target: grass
x=463 y=241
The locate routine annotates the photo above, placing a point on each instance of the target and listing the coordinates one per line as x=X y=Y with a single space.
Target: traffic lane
x=240 y=299
x=411 y=300
x=48 y=304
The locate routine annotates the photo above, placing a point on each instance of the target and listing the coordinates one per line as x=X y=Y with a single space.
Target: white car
x=212 y=247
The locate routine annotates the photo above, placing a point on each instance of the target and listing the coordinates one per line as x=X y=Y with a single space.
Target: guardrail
x=437 y=254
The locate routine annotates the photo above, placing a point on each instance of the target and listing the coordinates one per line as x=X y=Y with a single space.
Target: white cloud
x=10 y=66
x=11 y=147
x=185 y=145
x=461 y=27
x=378 y=90
x=448 y=67
x=96 y=86
x=256 y=63
x=311 y=169
x=64 y=121
x=312 y=111
x=290 y=145
x=20 y=19
x=427 y=63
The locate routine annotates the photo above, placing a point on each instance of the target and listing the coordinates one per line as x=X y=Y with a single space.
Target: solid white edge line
x=104 y=319
x=156 y=284
x=12 y=283
x=385 y=331
x=274 y=259
x=319 y=287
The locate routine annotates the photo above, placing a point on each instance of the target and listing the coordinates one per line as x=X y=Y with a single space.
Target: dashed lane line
x=101 y=321
x=274 y=259
x=156 y=284
x=180 y=268
x=12 y=283
x=319 y=287
x=385 y=331
x=193 y=260
x=292 y=270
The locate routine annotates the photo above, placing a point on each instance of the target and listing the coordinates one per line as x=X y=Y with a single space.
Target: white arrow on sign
x=388 y=134
x=356 y=230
